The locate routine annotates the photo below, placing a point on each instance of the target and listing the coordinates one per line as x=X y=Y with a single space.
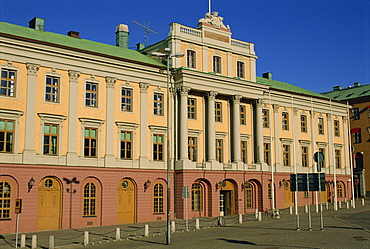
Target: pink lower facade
x=63 y=205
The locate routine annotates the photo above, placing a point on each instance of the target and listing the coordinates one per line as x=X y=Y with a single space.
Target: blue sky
x=314 y=44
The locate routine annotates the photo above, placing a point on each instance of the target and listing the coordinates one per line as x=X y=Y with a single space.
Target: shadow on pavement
x=238 y=241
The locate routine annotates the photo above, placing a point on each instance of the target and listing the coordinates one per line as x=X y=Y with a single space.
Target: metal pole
x=168 y=237
x=309 y=204
x=352 y=160
x=321 y=219
x=296 y=178
x=16 y=234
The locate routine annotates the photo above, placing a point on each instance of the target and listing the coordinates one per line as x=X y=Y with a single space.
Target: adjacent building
x=358 y=97
x=84 y=138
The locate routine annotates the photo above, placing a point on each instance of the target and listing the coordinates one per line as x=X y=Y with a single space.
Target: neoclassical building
x=84 y=137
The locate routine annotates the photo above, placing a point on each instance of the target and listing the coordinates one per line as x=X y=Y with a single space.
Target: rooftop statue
x=215 y=20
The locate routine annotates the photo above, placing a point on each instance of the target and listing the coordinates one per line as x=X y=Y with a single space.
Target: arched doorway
x=126 y=205
x=227 y=198
x=49 y=204
x=288 y=195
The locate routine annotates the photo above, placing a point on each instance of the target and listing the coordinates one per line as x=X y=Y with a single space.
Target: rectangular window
x=51 y=139
x=126 y=99
x=240 y=69
x=304 y=156
x=158 y=104
x=243 y=115
x=286 y=155
x=219 y=150
x=218 y=111
x=158 y=146
x=338 y=160
x=52 y=89
x=216 y=64
x=336 y=128
x=265 y=118
x=303 y=123
x=266 y=153
x=244 y=151
x=126 y=145
x=357 y=137
x=192 y=108
x=305 y=194
x=339 y=190
x=90 y=145
x=190 y=59
x=6 y=135
x=321 y=126
x=285 y=121
x=248 y=196
x=192 y=149
x=269 y=188
x=196 y=197
x=356 y=113
x=91 y=99
x=8 y=83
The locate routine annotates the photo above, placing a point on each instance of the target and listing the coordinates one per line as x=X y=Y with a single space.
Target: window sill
x=88 y=216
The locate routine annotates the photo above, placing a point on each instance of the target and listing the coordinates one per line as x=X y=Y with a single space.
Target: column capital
x=32 y=68
x=295 y=111
x=236 y=99
x=184 y=90
x=329 y=115
x=110 y=81
x=276 y=108
x=259 y=103
x=344 y=118
x=211 y=95
x=73 y=75
x=143 y=87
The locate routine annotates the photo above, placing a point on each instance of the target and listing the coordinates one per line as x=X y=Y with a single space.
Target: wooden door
x=227 y=193
x=49 y=204
x=288 y=195
x=126 y=209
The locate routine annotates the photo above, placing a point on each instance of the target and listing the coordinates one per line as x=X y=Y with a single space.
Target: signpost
x=318 y=157
x=185 y=195
x=17 y=211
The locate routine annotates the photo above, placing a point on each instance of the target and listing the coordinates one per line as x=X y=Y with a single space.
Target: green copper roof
x=76 y=43
x=279 y=85
x=349 y=93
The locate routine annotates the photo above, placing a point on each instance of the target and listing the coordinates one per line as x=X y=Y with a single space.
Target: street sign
x=18 y=206
x=185 y=192
x=318 y=157
x=311 y=178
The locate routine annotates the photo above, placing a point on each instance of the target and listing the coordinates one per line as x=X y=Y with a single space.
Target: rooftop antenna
x=147 y=30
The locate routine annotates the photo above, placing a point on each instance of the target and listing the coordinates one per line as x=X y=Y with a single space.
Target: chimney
x=356 y=84
x=140 y=46
x=122 y=36
x=74 y=34
x=267 y=75
x=337 y=88
x=37 y=23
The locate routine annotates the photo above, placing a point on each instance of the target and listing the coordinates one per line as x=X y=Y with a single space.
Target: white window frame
x=14 y=116
x=160 y=130
x=165 y=104
x=51 y=119
x=131 y=127
x=127 y=86
x=9 y=66
x=286 y=141
x=93 y=80
x=53 y=73
x=91 y=123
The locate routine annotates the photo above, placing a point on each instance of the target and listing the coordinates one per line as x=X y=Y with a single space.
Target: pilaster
x=109 y=156
x=144 y=160
x=211 y=129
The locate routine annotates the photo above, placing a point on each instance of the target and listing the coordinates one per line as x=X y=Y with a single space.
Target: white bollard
x=327 y=205
x=197 y=227
x=34 y=241
x=306 y=209
x=340 y=204
x=259 y=216
x=118 y=234
x=240 y=218
x=173 y=226
x=86 y=238
x=347 y=203
x=51 y=242
x=290 y=210
x=146 y=230
x=256 y=214
x=23 y=240
x=363 y=202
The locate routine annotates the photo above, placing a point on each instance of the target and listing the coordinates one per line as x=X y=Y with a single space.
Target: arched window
x=248 y=195
x=89 y=199
x=158 y=199
x=196 y=197
x=5 y=196
x=269 y=186
x=339 y=190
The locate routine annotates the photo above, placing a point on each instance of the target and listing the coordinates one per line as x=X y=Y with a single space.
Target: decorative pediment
x=215 y=20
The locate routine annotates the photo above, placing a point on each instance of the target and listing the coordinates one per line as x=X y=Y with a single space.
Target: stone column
x=346 y=145
x=259 y=133
x=29 y=154
x=277 y=135
x=211 y=129
x=183 y=127
x=205 y=59
x=144 y=160
x=313 y=138
x=331 y=143
x=72 y=157
x=236 y=151
x=109 y=156
x=295 y=138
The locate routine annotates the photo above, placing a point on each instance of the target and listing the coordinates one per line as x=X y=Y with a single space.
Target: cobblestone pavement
x=344 y=228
